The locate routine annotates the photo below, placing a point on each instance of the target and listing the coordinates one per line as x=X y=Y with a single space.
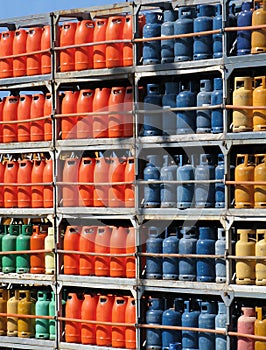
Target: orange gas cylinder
x=260 y=175
x=128 y=108
x=73 y=310
x=104 y=314
x=100 y=104
x=102 y=245
x=115 y=104
x=129 y=179
x=83 y=54
x=37 y=260
x=48 y=189
x=10 y=177
x=101 y=175
x=84 y=122
x=99 y=51
x=86 y=171
x=69 y=190
x=244 y=171
x=130 y=334
x=33 y=44
x=37 y=178
x=24 y=177
x=127 y=47
x=88 y=312
x=47 y=111
x=2 y=173
x=19 y=47
x=6 y=49
x=2 y=102
x=36 y=111
x=116 y=193
x=86 y=244
x=114 y=51
x=23 y=113
x=71 y=242
x=67 y=38
x=69 y=106
x=260 y=328
x=118 y=247
x=258 y=36
x=10 y=114
x=119 y=316
x=131 y=249
x=259 y=99
x=45 y=45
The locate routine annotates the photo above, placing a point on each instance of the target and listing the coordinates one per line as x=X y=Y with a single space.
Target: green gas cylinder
x=42 y=309
x=245 y=246
x=52 y=313
x=2 y=233
x=9 y=244
x=259 y=99
x=260 y=328
x=26 y=306
x=12 y=308
x=260 y=250
x=258 y=36
x=3 y=308
x=23 y=243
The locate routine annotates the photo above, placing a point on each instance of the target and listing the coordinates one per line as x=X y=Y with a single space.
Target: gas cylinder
x=217 y=45
x=2 y=102
x=23 y=243
x=169 y=101
x=130 y=318
x=183 y=47
x=3 y=231
x=37 y=260
x=37 y=178
x=260 y=328
x=167 y=28
x=6 y=49
x=152 y=121
x=119 y=316
x=23 y=112
x=244 y=171
x=244 y=19
x=114 y=31
x=101 y=175
x=47 y=111
x=48 y=189
x=217 y=99
x=116 y=121
x=260 y=250
x=153 y=246
x=129 y=182
x=170 y=265
x=37 y=111
x=12 y=308
x=245 y=324
x=118 y=247
x=3 y=309
x=10 y=114
x=220 y=249
x=154 y=317
x=52 y=324
x=219 y=186
x=73 y=310
x=24 y=177
x=19 y=47
x=84 y=122
x=85 y=174
x=69 y=106
x=84 y=35
x=187 y=245
x=131 y=249
x=171 y=317
x=67 y=37
x=220 y=324
x=102 y=245
x=260 y=175
x=104 y=314
x=99 y=35
x=245 y=246
x=71 y=242
x=88 y=312
x=190 y=318
x=206 y=245
x=86 y=244
x=42 y=309
x=152 y=191
x=205 y=192
x=207 y=320
x=167 y=190
x=49 y=258
x=10 y=177
x=33 y=43
x=116 y=193
x=203 y=116
x=26 y=306
x=127 y=47
x=128 y=108
x=45 y=45
x=70 y=175
x=185 y=191
x=259 y=99
x=202 y=45
x=100 y=104
x=258 y=36
x=152 y=28
x=9 y=244
x=186 y=119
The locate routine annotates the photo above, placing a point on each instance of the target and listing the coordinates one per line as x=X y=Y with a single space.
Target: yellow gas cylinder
x=260 y=175
x=3 y=302
x=259 y=99
x=260 y=328
x=260 y=250
x=245 y=246
x=49 y=257
x=244 y=171
x=258 y=36
x=26 y=306
x=242 y=96
x=12 y=308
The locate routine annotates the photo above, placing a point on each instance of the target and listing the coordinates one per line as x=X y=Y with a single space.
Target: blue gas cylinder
x=202 y=45
x=152 y=28
x=152 y=191
x=152 y=122
x=170 y=265
x=217 y=99
x=231 y=21
x=244 y=19
x=203 y=119
x=154 y=245
x=167 y=28
x=169 y=101
x=154 y=316
x=205 y=192
x=219 y=187
x=183 y=47
x=185 y=191
x=220 y=246
x=185 y=119
x=171 y=317
x=168 y=191
x=175 y=346
x=206 y=245
x=207 y=320
x=190 y=318
x=187 y=245
x=220 y=324
x=217 y=46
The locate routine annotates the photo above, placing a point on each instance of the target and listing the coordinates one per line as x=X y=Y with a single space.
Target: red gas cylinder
x=48 y=189
x=37 y=178
x=10 y=114
x=2 y=173
x=88 y=312
x=99 y=51
x=47 y=111
x=67 y=38
x=127 y=47
x=33 y=44
x=118 y=247
x=83 y=54
x=86 y=244
x=101 y=175
x=114 y=31
x=245 y=324
x=100 y=104
x=104 y=314
x=36 y=111
x=70 y=175
x=130 y=334
x=118 y=316
x=69 y=106
x=71 y=242
x=45 y=45
x=131 y=249
x=128 y=108
x=6 y=49
x=23 y=113
x=102 y=245
x=129 y=179
x=73 y=310
x=115 y=104
x=84 y=122
x=2 y=102
x=19 y=47
x=24 y=177
x=116 y=193
x=37 y=260
x=86 y=174
x=10 y=177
